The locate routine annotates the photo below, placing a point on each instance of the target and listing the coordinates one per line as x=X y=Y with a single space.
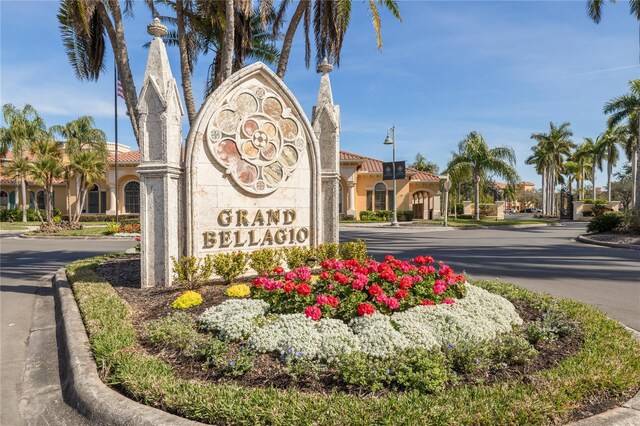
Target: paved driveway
x=27 y=327
x=541 y=258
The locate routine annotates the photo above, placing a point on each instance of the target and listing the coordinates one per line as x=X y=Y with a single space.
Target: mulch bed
x=153 y=303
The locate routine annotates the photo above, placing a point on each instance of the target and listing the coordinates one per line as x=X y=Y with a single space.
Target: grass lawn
x=98 y=231
x=461 y=223
x=13 y=226
x=606 y=365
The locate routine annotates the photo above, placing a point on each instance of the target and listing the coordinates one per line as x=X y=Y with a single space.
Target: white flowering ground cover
x=479 y=316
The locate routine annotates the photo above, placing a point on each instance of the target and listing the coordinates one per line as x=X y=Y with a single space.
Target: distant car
x=532 y=210
x=537 y=210
x=528 y=211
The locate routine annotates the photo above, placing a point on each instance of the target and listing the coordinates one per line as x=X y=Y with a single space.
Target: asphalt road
x=27 y=327
x=543 y=259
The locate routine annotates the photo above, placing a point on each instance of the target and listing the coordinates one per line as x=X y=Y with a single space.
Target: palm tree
x=595 y=150
x=83 y=24
x=475 y=157
x=571 y=171
x=610 y=141
x=553 y=148
x=422 y=164
x=86 y=149
x=582 y=157
x=542 y=162
x=627 y=107
x=45 y=169
x=25 y=126
x=594 y=9
x=330 y=22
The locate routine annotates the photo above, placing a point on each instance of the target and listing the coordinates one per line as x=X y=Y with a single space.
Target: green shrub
x=177 y=332
x=191 y=271
x=354 y=250
x=512 y=350
x=487 y=210
x=418 y=370
x=264 y=260
x=230 y=266
x=343 y=216
x=604 y=222
x=327 y=251
x=112 y=228
x=210 y=351
x=405 y=215
x=594 y=201
x=239 y=365
x=296 y=257
x=631 y=221
x=376 y=216
x=465 y=216
x=588 y=214
x=469 y=357
x=548 y=328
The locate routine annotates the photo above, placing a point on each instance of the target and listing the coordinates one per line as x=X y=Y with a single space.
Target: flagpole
x=115 y=103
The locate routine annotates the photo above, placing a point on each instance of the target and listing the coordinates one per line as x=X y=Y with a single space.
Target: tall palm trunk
x=553 y=186
x=544 y=188
x=227 y=49
x=609 y=171
x=115 y=32
x=582 y=178
x=635 y=165
x=288 y=38
x=593 y=178
x=185 y=71
x=23 y=194
x=476 y=196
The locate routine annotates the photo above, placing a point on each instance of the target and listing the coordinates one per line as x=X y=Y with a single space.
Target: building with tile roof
x=361 y=188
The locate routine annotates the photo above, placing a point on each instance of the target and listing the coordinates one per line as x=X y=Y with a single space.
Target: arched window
x=380 y=192
x=340 y=195
x=132 y=197
x=4 y=200
x=40 y=200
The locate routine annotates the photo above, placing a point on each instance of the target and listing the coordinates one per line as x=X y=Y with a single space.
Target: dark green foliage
x=376 y=216
x=15 y=215
x=347 y=217
x=419 y=370
x=177 y=332
x=354 y=250
x=327 y=251
x=405 y=215
x=604 y=222
x=296 y=257
x=550 y=327
x=631 y=221
x=264 y=260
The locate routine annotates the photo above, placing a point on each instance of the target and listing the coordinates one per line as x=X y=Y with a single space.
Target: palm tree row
x=231 y=29
x=39 y=158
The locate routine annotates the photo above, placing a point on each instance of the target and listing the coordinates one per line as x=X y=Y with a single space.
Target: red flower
x=375 y=290
x=427 y=303
x=389 y=276
x=325 y=275
x=449 y=301
x=341 y=278
x=289 y=286
x=333 y=301
x=278 y=270
x=304 y=289
x=313 y=312
x=365 y=309
x=406 y=282
x=401 y=294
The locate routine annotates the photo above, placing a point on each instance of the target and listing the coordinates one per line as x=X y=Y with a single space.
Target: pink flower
x=313 y=312
x=322 y=299
x=381 y=298
x=375 y=289
x=449 y=301
x=290 y=276
x=330 y=287
x=358 y=285
x=439 y=287
x=138 y=239
x=271 y=285
x=393 y=303
x=406 y=282
x=304 y=273
x=417 y=279
x=333 y=301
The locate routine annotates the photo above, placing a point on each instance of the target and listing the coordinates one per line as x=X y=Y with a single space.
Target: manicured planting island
x=475 y=361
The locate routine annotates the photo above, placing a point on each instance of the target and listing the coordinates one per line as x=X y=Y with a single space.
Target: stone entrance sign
x=255 y=172
x=252 y=169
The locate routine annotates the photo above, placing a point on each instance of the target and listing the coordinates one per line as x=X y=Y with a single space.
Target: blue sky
x=505 y=69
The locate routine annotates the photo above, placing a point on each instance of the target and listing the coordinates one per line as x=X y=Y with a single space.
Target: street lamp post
x=447 y=187
x=392 y=141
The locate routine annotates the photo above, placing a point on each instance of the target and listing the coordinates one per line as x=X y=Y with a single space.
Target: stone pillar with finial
x=325 y=120
x=160 y=165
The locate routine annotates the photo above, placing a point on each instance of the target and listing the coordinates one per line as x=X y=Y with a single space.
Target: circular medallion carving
x=257 y=146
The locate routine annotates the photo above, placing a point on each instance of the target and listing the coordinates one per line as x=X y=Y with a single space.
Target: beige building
x=361 y=188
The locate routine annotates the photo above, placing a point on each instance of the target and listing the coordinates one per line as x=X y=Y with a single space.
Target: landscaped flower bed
x=234 y=360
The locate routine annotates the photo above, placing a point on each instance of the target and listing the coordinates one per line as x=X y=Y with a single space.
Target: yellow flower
x=238 y=290
x=314 y=278
x=188 y=300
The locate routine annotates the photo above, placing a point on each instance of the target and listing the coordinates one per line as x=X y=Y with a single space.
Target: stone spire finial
x=325 y=67
x=156 y=29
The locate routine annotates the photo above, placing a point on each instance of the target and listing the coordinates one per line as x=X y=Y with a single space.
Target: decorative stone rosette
x=257 y=139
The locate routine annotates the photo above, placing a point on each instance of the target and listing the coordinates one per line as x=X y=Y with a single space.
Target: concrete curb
x=82 y=388
x=586 y=240
x=74 y=237
x=422 y=227
x=84 y=391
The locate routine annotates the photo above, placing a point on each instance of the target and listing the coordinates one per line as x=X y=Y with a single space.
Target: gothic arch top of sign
x=256 y=138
